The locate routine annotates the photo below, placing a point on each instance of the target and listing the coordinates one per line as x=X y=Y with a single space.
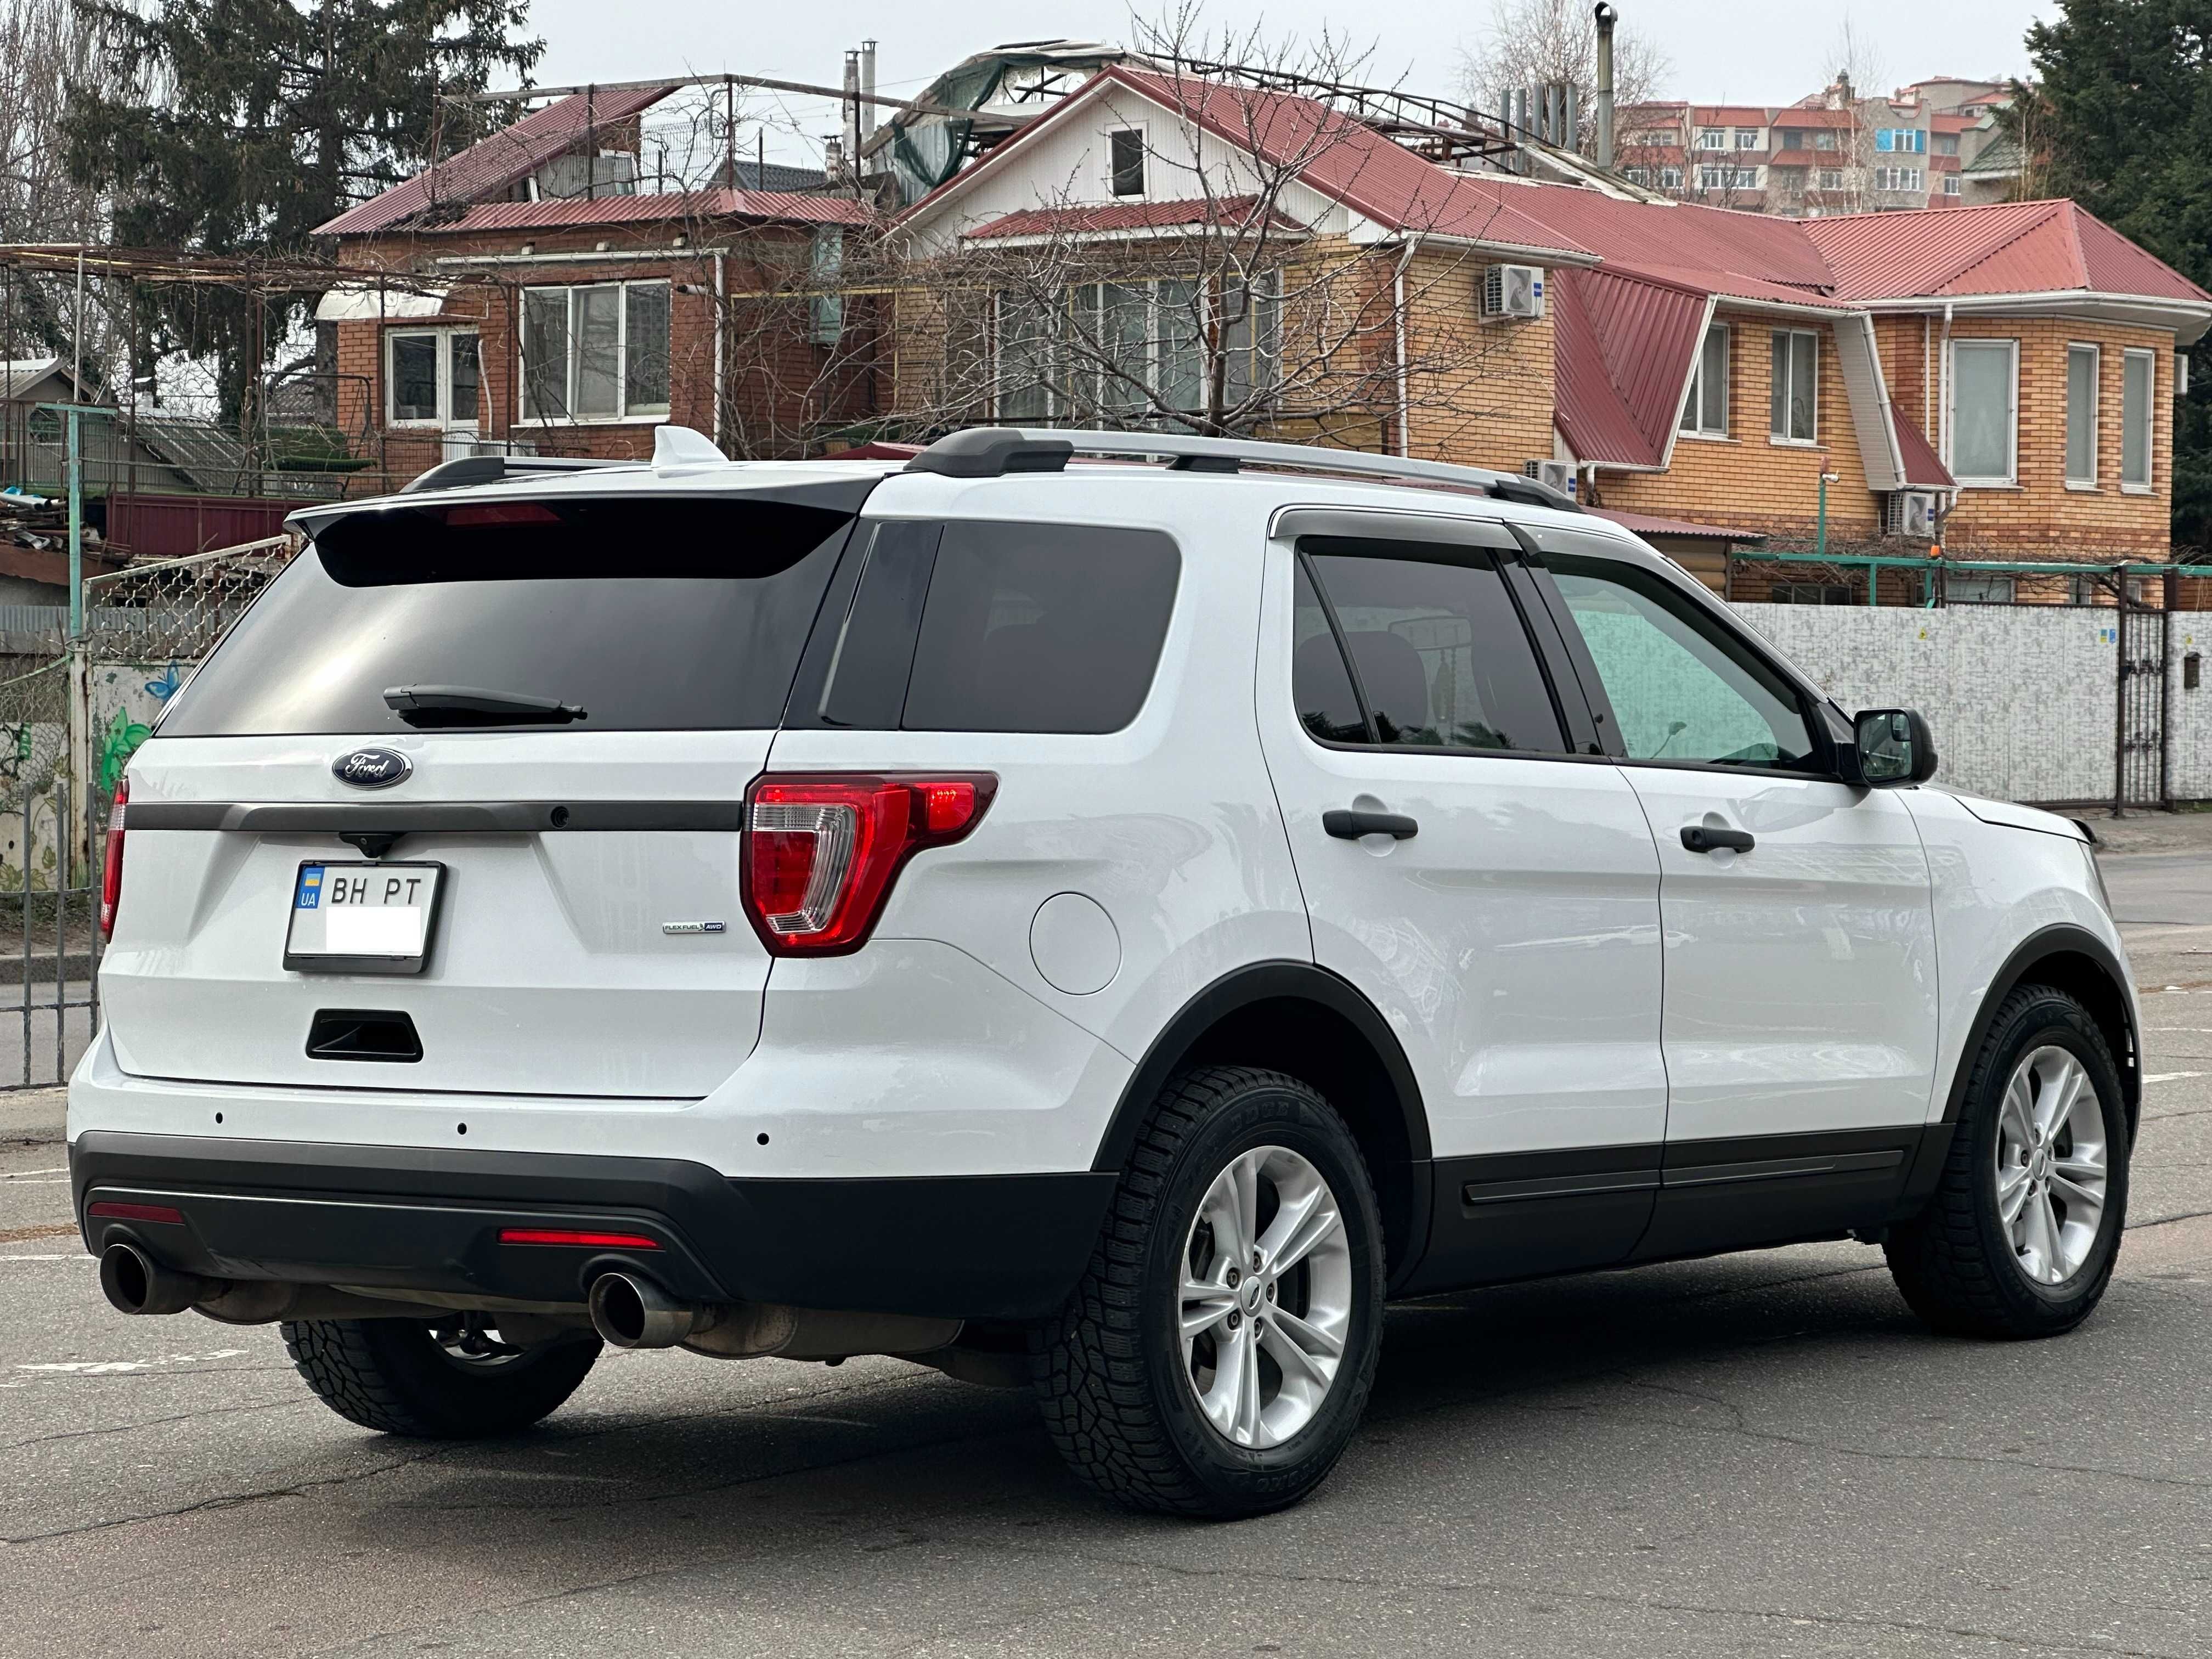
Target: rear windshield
x=649 y=614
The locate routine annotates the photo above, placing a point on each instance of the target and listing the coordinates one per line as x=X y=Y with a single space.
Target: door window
x=1438 y=657
x=1683 y=688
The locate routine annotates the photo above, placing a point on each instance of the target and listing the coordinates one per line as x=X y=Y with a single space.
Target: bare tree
x=45 y=47
x=1532 y=42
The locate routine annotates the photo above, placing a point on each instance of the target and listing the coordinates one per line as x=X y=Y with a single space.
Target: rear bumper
x=964 y=1247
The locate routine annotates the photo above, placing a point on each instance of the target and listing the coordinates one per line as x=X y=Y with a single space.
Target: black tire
x=1955 y=1262
x=392 y=1375
x=1110 y=1369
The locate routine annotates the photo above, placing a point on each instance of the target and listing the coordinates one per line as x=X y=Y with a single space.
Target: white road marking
x=110 y=1367
x=17 y=1175
x=79 y=1256
x=2170 y=1077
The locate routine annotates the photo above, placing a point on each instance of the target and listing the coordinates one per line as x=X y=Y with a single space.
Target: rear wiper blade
x=471 y=705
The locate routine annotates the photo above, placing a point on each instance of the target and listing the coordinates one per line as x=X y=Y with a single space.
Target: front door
x=463 y=374
x=1496 y=897
x=1800 y=1001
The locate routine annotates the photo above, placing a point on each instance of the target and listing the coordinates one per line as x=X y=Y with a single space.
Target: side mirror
x=1895 y=747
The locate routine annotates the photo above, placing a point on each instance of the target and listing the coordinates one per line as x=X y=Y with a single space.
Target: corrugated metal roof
x=1621 y=351
x=496 y=162
x=1106 y=217
x=1923 y=467
x=712 y=204
x=2009 y=248
x=1642 y=524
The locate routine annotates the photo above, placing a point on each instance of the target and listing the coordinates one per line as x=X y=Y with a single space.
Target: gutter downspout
x=721 y=359
x=1943 y=400
x=1398 y=309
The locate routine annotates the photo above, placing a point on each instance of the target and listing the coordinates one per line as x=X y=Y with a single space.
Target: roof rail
x=471 y=469
x=991 y=452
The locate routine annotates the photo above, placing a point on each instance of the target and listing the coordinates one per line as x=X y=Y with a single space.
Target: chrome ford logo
x=371 y=768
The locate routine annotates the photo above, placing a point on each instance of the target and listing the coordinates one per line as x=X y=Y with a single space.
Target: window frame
x=1480 y=545
x=1670 y=178
x=2010 y=478
x=1747 y=138
x=1712 y=138
x=442 y=378
x=624 y=416
x=1144 y=190
x=1785 y=439
x=1061 y=400
x=1693 y=397
x=2148 y=484
x=2083 y=480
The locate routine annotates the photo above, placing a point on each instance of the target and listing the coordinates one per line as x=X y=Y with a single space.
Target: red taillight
x=110 y=869
x=568 y=1236
x=108 y=1209
x=821 y=852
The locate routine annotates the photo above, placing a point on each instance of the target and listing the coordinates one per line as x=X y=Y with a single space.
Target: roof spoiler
x=993 y=451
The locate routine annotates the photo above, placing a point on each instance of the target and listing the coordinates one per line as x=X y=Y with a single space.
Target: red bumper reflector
x=569 y=1235
x=109 y=1210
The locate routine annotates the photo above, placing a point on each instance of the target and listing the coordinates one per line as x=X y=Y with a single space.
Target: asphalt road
x=1761 y=1455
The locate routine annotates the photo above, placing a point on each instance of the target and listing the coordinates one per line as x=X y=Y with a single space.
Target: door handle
x=1349 y=824
x=1701 y=838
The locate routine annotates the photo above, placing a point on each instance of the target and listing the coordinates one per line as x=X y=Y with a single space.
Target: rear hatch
x=587 y=936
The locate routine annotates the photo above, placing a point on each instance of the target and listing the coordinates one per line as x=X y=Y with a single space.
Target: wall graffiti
x=134 y=709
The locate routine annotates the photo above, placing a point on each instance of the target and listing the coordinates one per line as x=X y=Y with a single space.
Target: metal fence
x=69 y=721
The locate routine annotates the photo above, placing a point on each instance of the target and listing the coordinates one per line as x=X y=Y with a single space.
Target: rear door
x=587 y=937
x=1493 y=892
x=1800 y=1002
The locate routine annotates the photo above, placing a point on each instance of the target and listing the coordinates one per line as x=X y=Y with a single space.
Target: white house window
x=1125 y=163
x=1727 y=178
x=1977 y=587
x=1900 y=179
x=1947 y=143
x=1795 y=403
x=2138 y=369
x=1638 y=175
x=1705 y=411
x=2082 y=362
x=432 y=377
x=1902 y=140
x=1831 y=178
x=1824 y=138
x=1123 y=349
x=1984 y=410
x=595 y=353
x=1670 y=178
x=1950 y=184
x=1712 y=138
x=1746 y=137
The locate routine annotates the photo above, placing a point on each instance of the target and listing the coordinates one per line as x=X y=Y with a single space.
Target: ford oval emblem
x=371 y=768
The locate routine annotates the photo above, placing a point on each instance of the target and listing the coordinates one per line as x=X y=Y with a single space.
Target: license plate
x=362 y=918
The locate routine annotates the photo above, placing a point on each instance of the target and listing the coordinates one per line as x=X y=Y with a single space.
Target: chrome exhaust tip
x=630 y=1312
x=134 y=1283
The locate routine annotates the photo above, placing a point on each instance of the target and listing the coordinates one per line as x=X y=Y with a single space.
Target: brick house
x=529 y=294
x=1691 y=366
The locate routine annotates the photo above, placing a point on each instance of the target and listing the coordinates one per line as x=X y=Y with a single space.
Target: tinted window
x=1040 y=628
x=1438 y=649
x=875 y=649
x=1319 y=688
x=650 y=615
x=1682 y=687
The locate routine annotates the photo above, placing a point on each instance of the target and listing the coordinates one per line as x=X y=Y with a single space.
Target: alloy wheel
x=1267 y=1296
x=2051 y=1170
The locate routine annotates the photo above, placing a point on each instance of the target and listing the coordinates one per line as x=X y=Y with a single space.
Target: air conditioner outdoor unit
x=1513 y=291
x=1560 y=475
x=1910 y=513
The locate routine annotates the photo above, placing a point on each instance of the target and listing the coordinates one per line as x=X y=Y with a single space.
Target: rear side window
x=649 y=615
x=981 y=627
x=1439 y=656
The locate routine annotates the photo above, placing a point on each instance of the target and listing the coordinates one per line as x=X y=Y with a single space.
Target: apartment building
x=1834 y=152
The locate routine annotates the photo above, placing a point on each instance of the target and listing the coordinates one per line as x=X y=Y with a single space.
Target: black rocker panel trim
x=1741 y=1191
x=1523 y=1215
x=404 y=1217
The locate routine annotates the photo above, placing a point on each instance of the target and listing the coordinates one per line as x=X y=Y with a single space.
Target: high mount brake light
x=823 y=850
x=111 y=867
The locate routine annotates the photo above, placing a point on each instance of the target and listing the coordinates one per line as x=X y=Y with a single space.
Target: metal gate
x=2140 y=773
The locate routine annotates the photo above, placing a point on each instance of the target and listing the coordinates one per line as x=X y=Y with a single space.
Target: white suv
x=1104 y=928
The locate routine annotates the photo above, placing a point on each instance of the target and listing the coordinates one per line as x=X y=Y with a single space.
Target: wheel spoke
x=1205 y=1306
x=2075 y=1192
x=1247 y=1392
x=1244 y=1188
x=2013 y=1188
x=2016 y=1117
x=2081 y=1168
x=1315 y=1219
x=2046 y=1227
x=2060 y=1090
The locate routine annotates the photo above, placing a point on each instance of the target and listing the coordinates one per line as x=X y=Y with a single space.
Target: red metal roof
x=1923 y=467
x=1621 y=349
x=2009 y=248
x=1110 y=216
x=717 y=202
x=1799 y=115
x=496 y=163
x=1729 y=115
x=1642 y=524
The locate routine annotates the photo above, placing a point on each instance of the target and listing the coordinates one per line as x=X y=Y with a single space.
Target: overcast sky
x=1750 y=51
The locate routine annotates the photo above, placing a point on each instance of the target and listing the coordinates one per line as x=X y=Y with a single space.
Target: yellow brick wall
x=1747 y=480
x=1492 y=405
x=2041 y=516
